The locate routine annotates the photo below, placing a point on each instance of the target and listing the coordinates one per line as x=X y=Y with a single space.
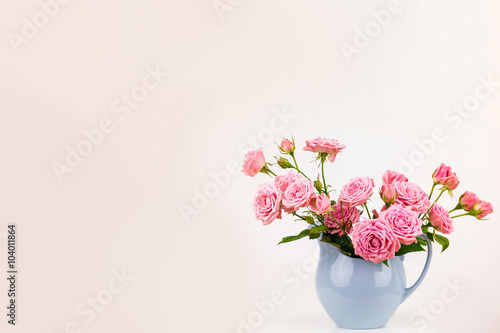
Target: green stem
x=432 y=190
x=461 y=215
x=439 y=196
x=297 y=166
x=367 y=211
x=342 y=227
x=269 y=170
x=323 y=174
x=300 y=217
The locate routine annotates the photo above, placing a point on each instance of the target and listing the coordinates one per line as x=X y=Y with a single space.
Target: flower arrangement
x=404 y=224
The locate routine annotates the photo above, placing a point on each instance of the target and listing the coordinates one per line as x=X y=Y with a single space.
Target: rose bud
x=284 y=163
x=388 y=194
x=482 y=209
x=444 y=176
x=287 y=146
x=468 y=200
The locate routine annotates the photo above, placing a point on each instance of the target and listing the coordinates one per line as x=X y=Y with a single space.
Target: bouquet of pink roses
x=347 y=223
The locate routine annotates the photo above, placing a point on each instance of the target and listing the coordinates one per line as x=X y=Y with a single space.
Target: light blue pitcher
x=358 y=294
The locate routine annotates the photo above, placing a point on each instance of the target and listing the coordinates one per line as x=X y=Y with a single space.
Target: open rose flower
x=391 y=177
x=266 y=203
x=320 y=204
x=468 y=200
x=357 y=191
x=297 y=195
x=441 y=219
x=444 y=176
x=254 y=162
x=328 y=146
x=374 y=240
x=412 y=196
x=338 y=219
x=482 y=209
x=405 y=223
x=283 y=181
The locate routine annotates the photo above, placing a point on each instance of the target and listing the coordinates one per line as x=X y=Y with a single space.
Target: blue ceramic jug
x=358 y=294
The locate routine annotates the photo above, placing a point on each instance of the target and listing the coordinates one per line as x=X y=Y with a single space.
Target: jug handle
x=410 y=290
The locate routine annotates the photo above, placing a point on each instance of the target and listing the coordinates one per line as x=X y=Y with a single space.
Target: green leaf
x=443 y=241
x=334 y=240
x=318 y=229
x=302 y=234
x=430 y=236
x=413 y=247
x=385 y=262
x=314 y=236
x=421 y=241
x=318 y=186
x=309 y=220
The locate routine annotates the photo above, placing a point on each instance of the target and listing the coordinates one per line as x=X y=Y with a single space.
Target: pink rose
x=254 y=162
x=482 y=209
x=374 y=240
x=337 y=219
x=441 y=219
x=357 y=191
x=375 y=213
x=388 y=193
x=329 y=146
x=444 y=176
x=390 y=177
x=405 y=223
x=283 y=181
x=266 y=203
x=320 y=204
x=297 y=195
x=412 y=196
x=468 y=200
x=287 y=146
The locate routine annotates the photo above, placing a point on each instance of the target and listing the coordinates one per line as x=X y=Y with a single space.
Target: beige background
x=119 y=209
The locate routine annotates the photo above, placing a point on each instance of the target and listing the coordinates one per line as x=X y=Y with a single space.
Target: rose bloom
x=345 y=217
x=444 y=176
x=329 y=146
x=405 y=223
x=412 y=196
x=482 y=209
x=287 y=146
x=390 y=177
x=254 y=162
x=320 y=204
x=297 y=195
x=357 y=191
x=374 y=240
x=283 y=181
x=468 y=200
x=266 y=203
x=441 y=219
